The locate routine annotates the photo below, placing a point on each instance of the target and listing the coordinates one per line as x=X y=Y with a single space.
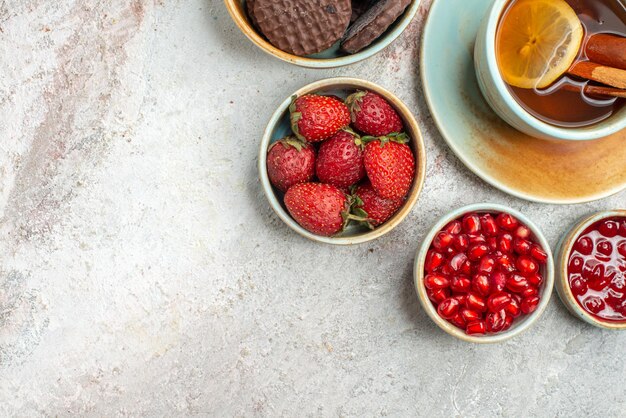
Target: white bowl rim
x=602 y=129
x=418 y=275
x=420 y=160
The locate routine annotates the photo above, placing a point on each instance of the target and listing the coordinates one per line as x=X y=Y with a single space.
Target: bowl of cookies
x=322 y=33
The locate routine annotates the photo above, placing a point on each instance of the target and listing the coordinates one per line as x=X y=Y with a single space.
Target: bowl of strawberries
x=342 y=161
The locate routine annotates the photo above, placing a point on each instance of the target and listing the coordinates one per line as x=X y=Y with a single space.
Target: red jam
x=482 y=271
x=597 y=269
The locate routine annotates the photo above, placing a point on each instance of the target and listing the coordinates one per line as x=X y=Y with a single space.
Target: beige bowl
x=278 y=127
x=521 y=324
x=562 y=283
x=330 y=58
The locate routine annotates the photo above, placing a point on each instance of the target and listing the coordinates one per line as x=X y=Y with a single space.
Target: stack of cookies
x=305 y=27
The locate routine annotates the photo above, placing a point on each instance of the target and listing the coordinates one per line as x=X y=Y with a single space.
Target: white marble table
x=143 y=272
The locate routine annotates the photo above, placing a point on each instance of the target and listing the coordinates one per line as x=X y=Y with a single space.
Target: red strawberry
x=319 y=208
x=376 y=209
x=372 y=114
x=315 y=118
x=389 y=165
x=290 y=161
x=340 y=160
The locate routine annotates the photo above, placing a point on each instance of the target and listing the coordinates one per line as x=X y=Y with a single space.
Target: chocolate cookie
x=372 y=24
x=302 y=27
x=359 y=7
x=250 y=11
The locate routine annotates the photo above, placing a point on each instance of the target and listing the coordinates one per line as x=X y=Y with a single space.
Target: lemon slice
x=537 y=42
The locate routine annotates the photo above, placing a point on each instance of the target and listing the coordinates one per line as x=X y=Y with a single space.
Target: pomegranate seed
x=604 y=249
x=453 y=227
x=433 y=261
x=498 y=281
x=584 y=245
x=516 y=283
x=609 y=228
x=477 y=251
x=448 y=308
x=481 y=284
x=529 y=304
x=598 y=284
x=488 y=224
x=594 y=304
x=498 y=301
x=614 y=299
x=492 y=243
x=461 y=242
x=475 y=302
x=442 y=240
x=521 y=246
x=460 y=284
x=621 y=248
x=458 y=321
x=526 y=265
x=505 y=243
x=622 y=228
x=471 y=223
x=611 y=273
x=506 y=263
x=522 y=232
x=513 y=309
x=578 y=285
x=517 y=298
x=457 y=261
x=529 y=291
x=446 y=269
x=507 y=322
x=575 y=264
x=538 y=254
x=435 y=281
x=476 y=239
x=470 y=315
x=535 y=279
x=475 y=328
x=506 y=221
x=461 y=299
x=593 y=270
x=466 y=268
x=495 y=321
x=486 y=264
x=438 y=295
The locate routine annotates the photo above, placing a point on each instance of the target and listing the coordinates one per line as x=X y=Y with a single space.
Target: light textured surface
x=143 y=273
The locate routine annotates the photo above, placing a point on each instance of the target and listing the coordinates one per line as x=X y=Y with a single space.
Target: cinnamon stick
x=597 y=90
x=609 y=50
x=605 y=91
x=613 y=77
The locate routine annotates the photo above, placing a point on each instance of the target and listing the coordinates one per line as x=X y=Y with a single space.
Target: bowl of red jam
x=484 y=273
x=592 y=269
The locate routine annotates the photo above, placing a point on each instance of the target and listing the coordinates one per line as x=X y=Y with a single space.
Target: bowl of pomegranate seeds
x=591 y=278
x=342 y=161
x=484 y=273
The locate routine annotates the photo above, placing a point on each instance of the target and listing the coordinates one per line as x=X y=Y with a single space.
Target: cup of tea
x=555 y=69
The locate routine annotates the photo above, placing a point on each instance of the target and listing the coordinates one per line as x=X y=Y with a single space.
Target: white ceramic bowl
x=562 y=284
x=499 y=97
x=521 y=324
x=278 y=127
